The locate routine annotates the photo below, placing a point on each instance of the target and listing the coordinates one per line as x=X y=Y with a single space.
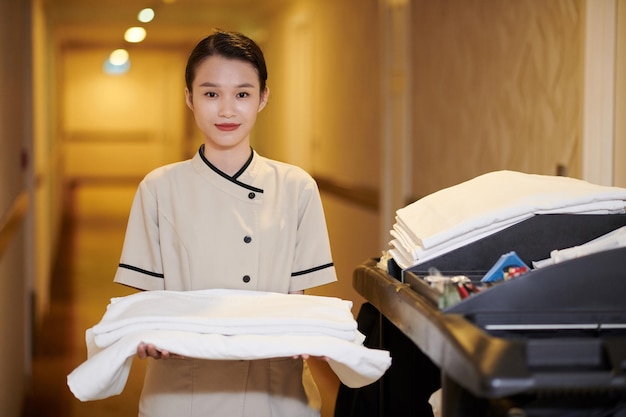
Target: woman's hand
x=147 y=350
x=306 y=357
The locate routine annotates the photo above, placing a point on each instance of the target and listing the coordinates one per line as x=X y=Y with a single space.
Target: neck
x=229 y=161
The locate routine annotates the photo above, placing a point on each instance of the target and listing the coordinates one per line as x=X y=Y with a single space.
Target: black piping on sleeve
x=308 y=271
x=143 y=271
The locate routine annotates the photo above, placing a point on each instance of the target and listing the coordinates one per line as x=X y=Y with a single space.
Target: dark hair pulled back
x=230 y=45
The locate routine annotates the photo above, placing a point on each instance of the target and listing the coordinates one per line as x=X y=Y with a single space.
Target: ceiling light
x=117 y=63
x=119 y=57
x=135 y=34
x=146 y=15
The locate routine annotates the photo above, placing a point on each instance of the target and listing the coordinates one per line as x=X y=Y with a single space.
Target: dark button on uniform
x=247 y=239
x=246 y=278
x=251 y=196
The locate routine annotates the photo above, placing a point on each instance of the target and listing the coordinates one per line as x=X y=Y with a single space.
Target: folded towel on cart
x=466 y=212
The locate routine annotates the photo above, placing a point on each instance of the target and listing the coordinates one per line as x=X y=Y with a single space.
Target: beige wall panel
x=102 y=201
x=123 y=124
x=497 y=85
x=347 y=123
x=45 y=153
x=15 y=88
x=111 y=160
x=132 y=101
x=324 y=80
x=276 y=135
x=620 y=99
x=13 y=79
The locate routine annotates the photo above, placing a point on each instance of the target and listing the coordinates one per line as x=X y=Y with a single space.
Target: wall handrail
x=12 y=220
x=360 y=195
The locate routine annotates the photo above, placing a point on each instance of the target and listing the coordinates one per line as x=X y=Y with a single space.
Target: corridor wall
x=14 y=151
x=496 y=85
x=619 y=160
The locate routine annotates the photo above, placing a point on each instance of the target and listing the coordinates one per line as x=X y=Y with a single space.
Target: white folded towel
x=106 y=370
x=226 y=312
x=466 y=212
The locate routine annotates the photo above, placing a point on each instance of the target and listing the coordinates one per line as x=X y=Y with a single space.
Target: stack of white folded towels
x=456 y=216
x=224 y=325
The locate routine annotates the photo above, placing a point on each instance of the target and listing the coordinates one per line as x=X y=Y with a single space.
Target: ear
x=189 y=98
x=264 y=97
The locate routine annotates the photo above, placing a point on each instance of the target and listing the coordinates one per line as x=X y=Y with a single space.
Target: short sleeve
x=313 y=265
x=141 y=265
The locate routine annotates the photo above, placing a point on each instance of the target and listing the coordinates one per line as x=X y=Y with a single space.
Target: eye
x=210 y=94
x=242 y=94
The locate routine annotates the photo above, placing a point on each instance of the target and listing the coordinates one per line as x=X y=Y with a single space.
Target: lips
x=227 y=127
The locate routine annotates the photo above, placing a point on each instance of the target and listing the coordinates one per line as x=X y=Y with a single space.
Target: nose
x=227 y=107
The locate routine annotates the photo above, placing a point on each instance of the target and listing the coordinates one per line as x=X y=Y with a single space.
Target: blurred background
x=382 y=101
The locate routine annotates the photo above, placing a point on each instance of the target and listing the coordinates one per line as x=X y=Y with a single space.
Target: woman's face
x=225 y=100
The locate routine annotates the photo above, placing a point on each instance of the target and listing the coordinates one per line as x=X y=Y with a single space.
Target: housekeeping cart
x=551 y=342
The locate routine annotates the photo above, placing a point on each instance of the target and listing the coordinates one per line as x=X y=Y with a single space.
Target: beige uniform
x=193 y=227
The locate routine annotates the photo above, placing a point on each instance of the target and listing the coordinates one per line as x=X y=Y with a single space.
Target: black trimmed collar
x=237 y=174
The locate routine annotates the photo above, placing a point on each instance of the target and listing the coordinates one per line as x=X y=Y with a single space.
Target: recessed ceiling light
x=135 y=34
x=119 y=57
x=146 y=15
x=117 y=63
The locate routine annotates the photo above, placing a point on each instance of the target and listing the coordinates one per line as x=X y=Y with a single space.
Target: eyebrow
x=210 y=84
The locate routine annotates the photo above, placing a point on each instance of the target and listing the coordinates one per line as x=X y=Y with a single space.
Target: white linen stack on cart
x=224 y=325
x=456 y=216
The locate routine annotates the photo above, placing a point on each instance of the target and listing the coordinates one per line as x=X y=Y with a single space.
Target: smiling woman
x=226 y=219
